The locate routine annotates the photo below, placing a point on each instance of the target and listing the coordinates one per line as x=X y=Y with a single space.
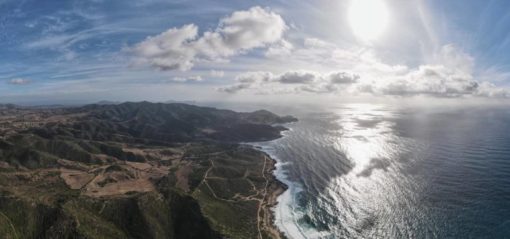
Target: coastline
x=196 y=184
x=283 y=211
x=275 y=188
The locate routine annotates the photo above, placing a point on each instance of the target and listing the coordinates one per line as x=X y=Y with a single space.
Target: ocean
x=378 y=171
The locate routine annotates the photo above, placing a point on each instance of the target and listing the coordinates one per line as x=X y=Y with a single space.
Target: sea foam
x=287 y=212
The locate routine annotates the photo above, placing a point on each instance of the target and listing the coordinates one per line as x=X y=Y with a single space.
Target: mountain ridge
x=70 y=168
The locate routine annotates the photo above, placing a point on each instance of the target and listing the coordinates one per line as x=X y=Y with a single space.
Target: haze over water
x=373 y=171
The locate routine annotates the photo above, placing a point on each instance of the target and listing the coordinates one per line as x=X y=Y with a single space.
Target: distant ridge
x=182 y=122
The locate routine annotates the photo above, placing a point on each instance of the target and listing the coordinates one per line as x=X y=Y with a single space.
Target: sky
x=78 y=51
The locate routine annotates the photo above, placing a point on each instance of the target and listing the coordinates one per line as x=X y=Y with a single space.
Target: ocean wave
x=287 y=211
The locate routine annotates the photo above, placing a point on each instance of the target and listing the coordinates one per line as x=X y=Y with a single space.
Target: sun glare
x=368 y=18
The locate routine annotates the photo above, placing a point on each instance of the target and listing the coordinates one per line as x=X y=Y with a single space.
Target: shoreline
x=275 y=188
x=282 y=205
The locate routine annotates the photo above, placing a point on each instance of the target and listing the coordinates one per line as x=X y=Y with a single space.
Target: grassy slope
x=225 y=181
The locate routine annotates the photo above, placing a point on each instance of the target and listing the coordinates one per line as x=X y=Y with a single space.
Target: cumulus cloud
x=281 y=48
x=19 y=81
x=487 y=89
x=343 y=78
x=434 y=80
x=297 y=77
x=309 y=81
x=449 y=74
x=217 y=74
x=181 y=48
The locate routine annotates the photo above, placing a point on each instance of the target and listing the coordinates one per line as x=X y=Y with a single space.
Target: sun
x=368 y=18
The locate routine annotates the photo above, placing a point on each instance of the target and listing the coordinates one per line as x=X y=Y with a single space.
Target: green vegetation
x=138 y=170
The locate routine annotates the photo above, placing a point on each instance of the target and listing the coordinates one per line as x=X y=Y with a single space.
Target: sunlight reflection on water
x=362 y=196
x=373 y=171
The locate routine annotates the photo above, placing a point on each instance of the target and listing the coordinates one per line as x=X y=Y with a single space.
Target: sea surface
x=375 y=171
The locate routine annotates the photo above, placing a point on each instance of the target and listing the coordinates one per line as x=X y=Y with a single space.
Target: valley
x=136 y=170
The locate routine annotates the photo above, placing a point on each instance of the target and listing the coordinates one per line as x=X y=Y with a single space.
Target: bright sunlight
x=368 y=18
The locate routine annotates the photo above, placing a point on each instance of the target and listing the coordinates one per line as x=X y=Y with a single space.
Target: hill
x=136 y=170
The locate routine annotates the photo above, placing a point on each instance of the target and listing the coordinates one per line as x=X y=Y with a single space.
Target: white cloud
x=234 y=88
x=217 y=74
x=343 y=78
x=169 y=50
x=253 y=77
x=319 y=55
x=487 y=89
x=297 y=77
x=187 y=79
x=281 y=48
x=433 y=80
x=452 y=57
x=450 y=74
x=181 y=48
x=309 y=81
x=19 y=81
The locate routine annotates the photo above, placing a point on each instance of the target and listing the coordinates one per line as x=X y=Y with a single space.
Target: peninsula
x=136 y=170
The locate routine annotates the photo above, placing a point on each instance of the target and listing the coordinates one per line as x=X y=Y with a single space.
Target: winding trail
x=242 y=198
x=261 y=202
